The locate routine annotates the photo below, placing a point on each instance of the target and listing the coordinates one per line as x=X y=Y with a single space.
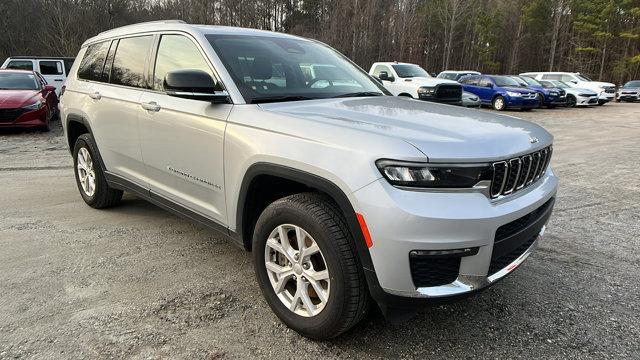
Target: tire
x=601 y=102
x=406 y=95
x=498 y=103
x=618 y=100
x=541 y=100
x=320 y=223
x=571 y=101
x=102 y=196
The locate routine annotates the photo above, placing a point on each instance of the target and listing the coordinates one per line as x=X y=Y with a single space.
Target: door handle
x=57 y=79
x=95 y=96
x=151 y=106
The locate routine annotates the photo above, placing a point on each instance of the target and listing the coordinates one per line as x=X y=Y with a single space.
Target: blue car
x=500 y=92
x=549 y=97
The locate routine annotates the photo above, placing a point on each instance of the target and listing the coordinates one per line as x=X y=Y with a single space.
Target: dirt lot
x=135 y=281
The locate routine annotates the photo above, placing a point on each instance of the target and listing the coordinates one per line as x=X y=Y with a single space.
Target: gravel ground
x=138 y=282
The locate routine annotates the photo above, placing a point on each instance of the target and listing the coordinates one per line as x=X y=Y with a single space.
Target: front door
x=182 y=140
x=53 y=72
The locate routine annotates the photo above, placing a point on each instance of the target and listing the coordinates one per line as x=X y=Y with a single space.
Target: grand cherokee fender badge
x=195 y=178
x=533 y=140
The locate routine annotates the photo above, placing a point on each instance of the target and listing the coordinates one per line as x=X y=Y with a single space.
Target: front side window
x=380 y=68
x=552 y=77
x=582 y=77
x=93 y=61
x=18 y=81
x=484 y=82
x=129 y=61
x=410 y=70
x=269 y=69
x=20 y=65
x=566 y=78
x=176 y=52
x=50 y=67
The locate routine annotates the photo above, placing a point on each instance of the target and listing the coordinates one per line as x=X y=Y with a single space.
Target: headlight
x=426 y=90
x=427 y=175
x=35 y=106
x=587 y=95
x=513 y=94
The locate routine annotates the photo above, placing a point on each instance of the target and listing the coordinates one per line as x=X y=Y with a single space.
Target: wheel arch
x=75 y=126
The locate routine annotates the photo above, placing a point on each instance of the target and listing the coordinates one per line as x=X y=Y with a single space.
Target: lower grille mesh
x=429 y=271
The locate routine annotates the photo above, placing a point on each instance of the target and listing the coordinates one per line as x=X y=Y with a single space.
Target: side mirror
x=49 y=88
x=195 y=85
x=573 y=81
x=385 y=76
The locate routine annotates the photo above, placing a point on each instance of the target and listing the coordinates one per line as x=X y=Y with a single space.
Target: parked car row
x=525 y=91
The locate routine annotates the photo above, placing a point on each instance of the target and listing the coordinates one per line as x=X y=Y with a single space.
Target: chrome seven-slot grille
x=515 y=174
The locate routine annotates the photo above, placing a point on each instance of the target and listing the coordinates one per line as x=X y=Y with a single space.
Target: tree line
x=600 y=38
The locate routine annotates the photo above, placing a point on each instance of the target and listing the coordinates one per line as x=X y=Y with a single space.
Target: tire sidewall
x=504 y=104
x=273 y=217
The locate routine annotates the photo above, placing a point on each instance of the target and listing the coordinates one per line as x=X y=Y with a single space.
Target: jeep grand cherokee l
x=343 y=193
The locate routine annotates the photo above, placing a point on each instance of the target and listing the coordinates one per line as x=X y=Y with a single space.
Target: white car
x=53 y=69
x=410 y=80
x=606 y=91
x=575 y=96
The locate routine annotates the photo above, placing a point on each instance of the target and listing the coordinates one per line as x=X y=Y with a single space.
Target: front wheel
x=571 y=101
x=499 y=103
x=601 y=102
x=89 y=175
x=307 y=267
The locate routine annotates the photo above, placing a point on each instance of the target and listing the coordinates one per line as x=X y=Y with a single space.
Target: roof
x=179 y=25
x=462 y=72
x=17 y=71
x=24 y=57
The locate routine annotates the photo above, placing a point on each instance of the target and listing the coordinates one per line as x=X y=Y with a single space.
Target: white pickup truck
x=606 y=91
x=410 y=80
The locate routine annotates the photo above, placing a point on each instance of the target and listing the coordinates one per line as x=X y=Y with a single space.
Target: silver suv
x=345 y=195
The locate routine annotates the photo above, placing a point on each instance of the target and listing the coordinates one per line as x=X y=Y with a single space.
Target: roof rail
x=149 y=22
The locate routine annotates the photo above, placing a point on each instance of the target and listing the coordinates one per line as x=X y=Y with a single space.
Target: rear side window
x=20 y=65
x=92 y=62
x=177 y=52
x=129 y=61
x=50 y=67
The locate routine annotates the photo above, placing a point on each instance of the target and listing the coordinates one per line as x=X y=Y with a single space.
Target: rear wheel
x=307 y=267
x=90 y=178
x=499 y=103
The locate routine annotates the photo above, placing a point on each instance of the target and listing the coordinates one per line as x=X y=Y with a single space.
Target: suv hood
x=423 y=81
x=10 y=99
x=443 y=133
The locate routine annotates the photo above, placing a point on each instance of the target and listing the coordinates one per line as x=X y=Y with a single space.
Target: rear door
x=182 y=139
x=53 y=72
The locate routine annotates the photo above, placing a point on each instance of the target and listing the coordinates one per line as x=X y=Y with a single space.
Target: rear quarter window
x=93 y=61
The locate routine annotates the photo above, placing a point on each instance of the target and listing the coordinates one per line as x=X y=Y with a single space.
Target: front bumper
x=629 y=97
x=16 y=118
x=402 y=221
x=586 y=100
x=522 y=103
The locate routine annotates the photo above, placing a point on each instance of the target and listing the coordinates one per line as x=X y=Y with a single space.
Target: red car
x=26 y=100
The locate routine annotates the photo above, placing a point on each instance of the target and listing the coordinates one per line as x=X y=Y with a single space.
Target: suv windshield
x=18 y=81
x=530 y=81
x=269 y=69
x=410 y=70
x=582 y=77
x=503 y=81
x=632 y=84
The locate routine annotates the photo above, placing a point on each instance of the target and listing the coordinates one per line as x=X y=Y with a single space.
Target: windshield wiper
x=358 y=94
x=268 y=99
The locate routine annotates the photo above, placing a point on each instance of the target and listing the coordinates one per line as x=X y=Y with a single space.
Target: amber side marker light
x=365 y=230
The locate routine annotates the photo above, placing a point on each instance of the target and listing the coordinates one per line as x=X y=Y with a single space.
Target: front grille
x=432 y=271
x=448 y=91
x=517 y=173
x=503 y=261
x=515 y=226
x=593 y=100
x=9 y=115
x=610 y=90
x=506 y=247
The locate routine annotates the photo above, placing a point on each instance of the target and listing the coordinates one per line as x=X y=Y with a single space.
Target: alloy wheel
x=297 y=270
x=86 y=173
